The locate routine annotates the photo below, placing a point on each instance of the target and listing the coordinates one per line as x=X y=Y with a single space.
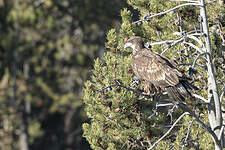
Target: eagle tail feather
x=181 y=91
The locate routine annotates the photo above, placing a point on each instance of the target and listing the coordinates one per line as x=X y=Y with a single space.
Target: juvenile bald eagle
x=158 y=70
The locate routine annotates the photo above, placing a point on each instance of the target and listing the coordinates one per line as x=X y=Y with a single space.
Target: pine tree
x=121 y=117
x=46 y=49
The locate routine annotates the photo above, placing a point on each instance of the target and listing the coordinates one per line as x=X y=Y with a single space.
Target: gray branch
x=195 y=61
x=188 y=134
x=200 y=97
x=123 y=86
x=222 y=94
x=194 y=46
x=174 y=124
x=191 y=1
x=172 y=9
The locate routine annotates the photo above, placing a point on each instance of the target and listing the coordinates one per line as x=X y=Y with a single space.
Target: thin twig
x=201 y=98
x=196 y=136
x=194 y=46
x=195 y=32
x=174 y=124
x=123 y=86
x=205 y=53
x=222 y=94
x=188 y=133
x=182 y=39
x=184 y=1
x=164 y=105
x=213 y=1
x=184 y=64
x=170 y=113
x=147 y=17
x=221 y=132
x=169 y=126
x=166 y=42
x=164 y=51
x=172 y=9
x=196 y=39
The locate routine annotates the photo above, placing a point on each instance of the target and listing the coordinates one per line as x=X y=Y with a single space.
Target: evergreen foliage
x=46 y=50
x=122 y=119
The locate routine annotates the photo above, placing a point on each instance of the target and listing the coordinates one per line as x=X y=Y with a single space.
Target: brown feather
x=153 y=68
x=157 y=70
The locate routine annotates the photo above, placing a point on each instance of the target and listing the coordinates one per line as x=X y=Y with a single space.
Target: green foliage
x=116 y=116
x=46 y=50
x=120 y=118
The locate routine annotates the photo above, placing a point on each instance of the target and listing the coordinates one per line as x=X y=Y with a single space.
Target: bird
x=159 y=71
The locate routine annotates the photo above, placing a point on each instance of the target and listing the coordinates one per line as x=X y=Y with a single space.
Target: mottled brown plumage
x=158 y=70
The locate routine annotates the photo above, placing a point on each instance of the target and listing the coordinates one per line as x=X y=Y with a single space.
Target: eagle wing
x=152 y=67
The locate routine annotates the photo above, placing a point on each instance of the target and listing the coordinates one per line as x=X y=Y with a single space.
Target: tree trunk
x=23 y=137
x=24 y=116
x=214 y=108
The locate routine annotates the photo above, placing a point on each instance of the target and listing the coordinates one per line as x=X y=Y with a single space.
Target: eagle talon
x=135 y=83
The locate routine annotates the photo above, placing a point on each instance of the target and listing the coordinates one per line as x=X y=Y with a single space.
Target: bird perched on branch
x=157 y=70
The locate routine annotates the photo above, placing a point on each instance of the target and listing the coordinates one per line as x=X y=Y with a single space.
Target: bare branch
x=174 y=124
x=123 y=86
x=173 y=42
x=170 y=113
x=222 y=94
x=164 y=105
x=221 y=132
x=196 y=39
x=187 y=136
x=213 y=1
x=201 y=98
x=184 y=1
x=172 y=9
x=147 y=17
x=166 y=42
x=194 y=63
x=194 y=46
x=164 y=50
x=190 y=64
x=184 y=64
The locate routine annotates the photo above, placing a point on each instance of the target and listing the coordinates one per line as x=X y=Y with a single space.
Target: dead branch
x=174 y=124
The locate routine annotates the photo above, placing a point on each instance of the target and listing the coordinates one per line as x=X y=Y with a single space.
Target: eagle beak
x=128 y=45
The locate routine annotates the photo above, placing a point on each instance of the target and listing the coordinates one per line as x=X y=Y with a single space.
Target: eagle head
x=136 y=43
